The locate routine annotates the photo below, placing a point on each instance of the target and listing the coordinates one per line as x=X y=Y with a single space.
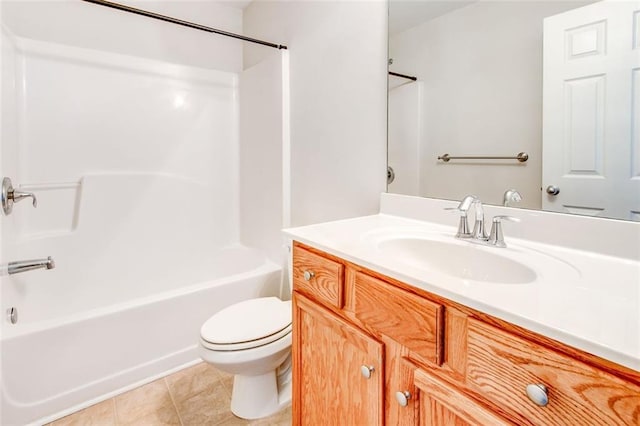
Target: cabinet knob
x=367 y=371
x=403 y=398
x=538 y=394
x=308 y=275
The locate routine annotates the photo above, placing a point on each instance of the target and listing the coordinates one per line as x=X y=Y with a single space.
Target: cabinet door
x=441 y=404
x=331 y=359
x=402 y=396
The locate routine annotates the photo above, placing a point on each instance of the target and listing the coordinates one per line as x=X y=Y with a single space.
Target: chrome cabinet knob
x=367 y=371
x=308 y=275
x=553 y=190
x=403 y=398
x=538 y=394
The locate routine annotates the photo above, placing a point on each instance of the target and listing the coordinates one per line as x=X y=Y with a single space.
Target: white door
x=591 y=110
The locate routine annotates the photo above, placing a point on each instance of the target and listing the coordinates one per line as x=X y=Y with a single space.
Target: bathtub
x=52 y=367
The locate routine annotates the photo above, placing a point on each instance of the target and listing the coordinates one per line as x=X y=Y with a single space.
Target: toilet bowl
x=252 y=341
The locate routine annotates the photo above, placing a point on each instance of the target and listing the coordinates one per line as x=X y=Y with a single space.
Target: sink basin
x=458 y=259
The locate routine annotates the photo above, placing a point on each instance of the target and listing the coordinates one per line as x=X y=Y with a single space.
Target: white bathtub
x=56 y=366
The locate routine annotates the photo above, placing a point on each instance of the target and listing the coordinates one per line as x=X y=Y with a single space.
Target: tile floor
x=196 y=396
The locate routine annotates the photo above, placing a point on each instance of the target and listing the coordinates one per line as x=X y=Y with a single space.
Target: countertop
x=586 y=300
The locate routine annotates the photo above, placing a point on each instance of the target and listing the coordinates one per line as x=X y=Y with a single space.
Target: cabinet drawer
x=318 y=277
x=410 y=320
x=501 y=365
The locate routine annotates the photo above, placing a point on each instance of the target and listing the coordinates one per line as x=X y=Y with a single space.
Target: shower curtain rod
x=183 y=23
x=408 y=77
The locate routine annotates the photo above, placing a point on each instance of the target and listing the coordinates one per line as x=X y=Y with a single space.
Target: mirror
x=558 y=81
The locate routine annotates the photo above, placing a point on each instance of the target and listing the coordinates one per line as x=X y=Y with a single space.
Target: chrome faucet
x=478 y=235
x=478 y=232
x=30 y=265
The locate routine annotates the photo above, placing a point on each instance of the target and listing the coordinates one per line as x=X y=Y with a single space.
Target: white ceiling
x=404 y=14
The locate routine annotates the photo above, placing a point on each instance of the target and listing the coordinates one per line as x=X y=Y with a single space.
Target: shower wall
x=264 y=148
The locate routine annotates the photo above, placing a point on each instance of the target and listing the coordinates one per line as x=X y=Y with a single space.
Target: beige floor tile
x=101 y=414
x=151 y=401
x=282 y=418
x=206 y=408
x=193 y=380
x=162 y=417
x=233 y=421
x=227 y=382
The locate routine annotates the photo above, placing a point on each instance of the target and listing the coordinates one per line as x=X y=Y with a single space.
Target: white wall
x=338 y=54
x=93 y=26
x=482 y=72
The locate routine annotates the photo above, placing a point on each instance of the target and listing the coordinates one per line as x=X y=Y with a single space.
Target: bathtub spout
x=30 y=265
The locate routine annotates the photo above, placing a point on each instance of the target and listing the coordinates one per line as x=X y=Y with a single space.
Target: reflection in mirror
x=557 y=80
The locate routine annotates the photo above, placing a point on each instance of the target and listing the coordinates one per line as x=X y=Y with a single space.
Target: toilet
x=252 y=340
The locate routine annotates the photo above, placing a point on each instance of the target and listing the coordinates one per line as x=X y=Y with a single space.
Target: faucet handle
x=496 y=237
x=499 y=218
x=463 y=225
x=456 y=210
x=19 y=195
x=10 y=195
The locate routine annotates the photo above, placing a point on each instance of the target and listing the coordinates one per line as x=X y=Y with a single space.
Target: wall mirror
x=558 y=81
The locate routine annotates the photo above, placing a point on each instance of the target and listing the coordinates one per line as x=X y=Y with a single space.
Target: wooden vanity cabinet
x=367 y=350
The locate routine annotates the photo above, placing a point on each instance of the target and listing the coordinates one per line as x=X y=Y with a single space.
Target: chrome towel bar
x=521 y=157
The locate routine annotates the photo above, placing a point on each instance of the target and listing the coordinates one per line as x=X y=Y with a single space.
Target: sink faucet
x=478 y=232
x=496 y=239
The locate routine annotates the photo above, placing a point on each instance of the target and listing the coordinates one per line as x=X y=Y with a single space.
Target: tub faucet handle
x=10 y=195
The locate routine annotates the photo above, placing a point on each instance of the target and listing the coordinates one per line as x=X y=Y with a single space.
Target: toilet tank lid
x=248 y=320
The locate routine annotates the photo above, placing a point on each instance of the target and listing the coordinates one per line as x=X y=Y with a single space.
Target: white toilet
x=252 y=340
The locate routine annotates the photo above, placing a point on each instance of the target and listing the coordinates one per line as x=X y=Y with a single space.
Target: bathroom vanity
x=384 y=340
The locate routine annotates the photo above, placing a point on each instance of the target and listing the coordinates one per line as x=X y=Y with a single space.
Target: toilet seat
x=247 y=324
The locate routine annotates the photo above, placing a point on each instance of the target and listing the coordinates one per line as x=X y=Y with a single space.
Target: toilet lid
x=250 y=323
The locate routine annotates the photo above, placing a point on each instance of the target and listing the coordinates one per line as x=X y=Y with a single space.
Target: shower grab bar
x=30 y=265
x=521 y=157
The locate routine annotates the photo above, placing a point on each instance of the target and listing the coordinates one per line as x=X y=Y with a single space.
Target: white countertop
x=584 y=299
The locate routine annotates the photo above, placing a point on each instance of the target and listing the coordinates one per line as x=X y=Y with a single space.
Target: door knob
x=553 y=190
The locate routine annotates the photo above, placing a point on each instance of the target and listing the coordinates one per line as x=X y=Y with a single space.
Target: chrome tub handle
x=10 y=195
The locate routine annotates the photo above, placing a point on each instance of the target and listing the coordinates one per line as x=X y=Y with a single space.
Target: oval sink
x=460 y=260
